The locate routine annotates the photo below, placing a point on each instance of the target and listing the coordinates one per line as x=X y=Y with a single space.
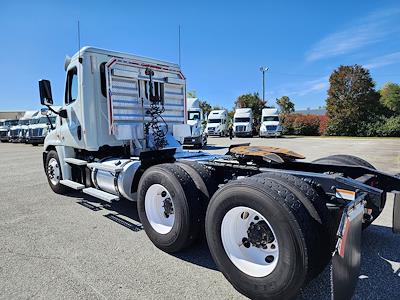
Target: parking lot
x=75 y=247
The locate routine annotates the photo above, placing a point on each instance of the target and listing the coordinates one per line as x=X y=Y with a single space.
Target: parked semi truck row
x=272 y=221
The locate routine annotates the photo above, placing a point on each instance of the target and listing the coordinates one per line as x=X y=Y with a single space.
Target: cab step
x=103 y=167
x=100 y=194
x=72 y=184
x=75 y=161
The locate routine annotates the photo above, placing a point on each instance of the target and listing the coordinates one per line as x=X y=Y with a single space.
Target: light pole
x=263 y=70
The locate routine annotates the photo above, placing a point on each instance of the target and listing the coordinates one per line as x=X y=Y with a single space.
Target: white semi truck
x=5 y=129
x=270 y=123
x=267 y=214
x=217 y=123
x=243 y=122
x=195 y=119
x=40 y=126
x=17 y=133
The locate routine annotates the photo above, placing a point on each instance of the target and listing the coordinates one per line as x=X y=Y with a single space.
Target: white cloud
x=370 y=30
x=306 y=87
x=385 y=60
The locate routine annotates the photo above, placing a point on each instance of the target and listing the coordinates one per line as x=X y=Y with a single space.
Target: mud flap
x=347 y=256
x=396 y=212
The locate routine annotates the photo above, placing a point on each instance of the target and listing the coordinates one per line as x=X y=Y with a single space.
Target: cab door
x=71 y=128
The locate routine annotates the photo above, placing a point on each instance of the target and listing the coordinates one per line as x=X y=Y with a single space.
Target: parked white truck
x=270 y=123
x=17 y=133
x=217 y=123
x=40 y=127
x=195 y=119
x=5 y=129
x=267 y=223
x=243 y=122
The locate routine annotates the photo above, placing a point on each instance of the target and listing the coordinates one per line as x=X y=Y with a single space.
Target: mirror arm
x=56 y=112
x=51 y=124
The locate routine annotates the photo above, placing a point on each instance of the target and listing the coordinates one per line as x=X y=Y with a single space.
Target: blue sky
x=224 y=43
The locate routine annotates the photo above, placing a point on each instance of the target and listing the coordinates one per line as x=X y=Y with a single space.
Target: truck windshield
x=11 y=122
x=34 y=121
x=1 y=123
x=214 y=120
x=23 y=122
x=242 y=120
x=271 y=118
x=44 y=120
x=193 y=115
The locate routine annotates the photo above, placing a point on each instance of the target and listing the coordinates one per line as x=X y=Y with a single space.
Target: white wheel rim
x=252 y=260
x=53 y=171
x=154 y=202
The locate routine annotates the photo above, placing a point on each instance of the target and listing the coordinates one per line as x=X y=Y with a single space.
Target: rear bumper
x=192 y=140
x=243 y=133
x=270 y=133
x=36 y=140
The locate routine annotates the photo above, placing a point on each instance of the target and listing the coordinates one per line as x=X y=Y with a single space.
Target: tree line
x=354 y=107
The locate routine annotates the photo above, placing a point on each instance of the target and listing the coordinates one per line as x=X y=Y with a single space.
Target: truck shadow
x=380 y=269
x=380 y=260
x=125 y=213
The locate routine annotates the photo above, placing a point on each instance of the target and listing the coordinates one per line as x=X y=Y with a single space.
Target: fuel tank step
x=100 y=194
x=72 y=184
x=104 y=167
x=75 y=161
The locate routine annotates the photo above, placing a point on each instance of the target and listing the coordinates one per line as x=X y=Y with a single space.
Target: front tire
x=54 y=173
x=169 y=207
x=262 y=238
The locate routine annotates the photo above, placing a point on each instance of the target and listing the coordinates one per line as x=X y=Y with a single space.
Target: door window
x=71 y=90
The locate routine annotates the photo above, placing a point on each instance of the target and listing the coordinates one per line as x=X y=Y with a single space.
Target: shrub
x=299 y=124
x=391 y=127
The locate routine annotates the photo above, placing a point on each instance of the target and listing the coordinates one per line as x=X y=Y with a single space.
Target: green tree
x=390 y=96
x=254 y=102
x=205 y=107
x=285 y=104
x=191 y=94
x=352 y=99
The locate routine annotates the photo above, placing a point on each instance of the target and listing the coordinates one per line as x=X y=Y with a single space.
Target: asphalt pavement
x=75 y=247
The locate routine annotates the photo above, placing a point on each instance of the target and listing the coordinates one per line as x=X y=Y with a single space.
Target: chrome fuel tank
x=116 y=183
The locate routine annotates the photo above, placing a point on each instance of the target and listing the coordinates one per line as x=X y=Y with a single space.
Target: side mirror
x=63 y=113
x=45 y=92
x=44 y=111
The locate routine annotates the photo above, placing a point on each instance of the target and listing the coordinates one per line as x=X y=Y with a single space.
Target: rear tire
x=54 y=173
x=291 y=225
x=169 y=207
x=315 y=204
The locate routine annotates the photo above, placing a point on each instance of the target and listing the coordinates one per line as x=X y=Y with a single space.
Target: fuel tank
x=116 y=183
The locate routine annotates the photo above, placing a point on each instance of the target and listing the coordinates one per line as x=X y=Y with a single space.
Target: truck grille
x=211 y=129
x=271 y=127
x=3 y=133
x=240 y=128
x=36 y=132
x=14 y=132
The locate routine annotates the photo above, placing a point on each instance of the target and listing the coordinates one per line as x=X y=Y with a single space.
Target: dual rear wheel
x=263 y=235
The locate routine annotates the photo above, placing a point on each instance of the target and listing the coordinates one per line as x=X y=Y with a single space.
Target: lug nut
x=269 y=259
x=246 y=242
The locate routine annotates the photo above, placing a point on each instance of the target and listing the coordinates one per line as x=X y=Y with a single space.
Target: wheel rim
x=159 y=207
x=249 y=241
x=53 y=171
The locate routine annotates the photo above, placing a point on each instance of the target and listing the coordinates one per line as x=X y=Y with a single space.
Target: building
x=309 y=111
x=11 y=114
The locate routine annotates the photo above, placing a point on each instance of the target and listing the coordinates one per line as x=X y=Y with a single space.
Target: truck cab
x=195 y=119
x=270 y=123
x=5 y=129
x=217 y=123
x=40 y=126
x=243 y=122
x=17 y=132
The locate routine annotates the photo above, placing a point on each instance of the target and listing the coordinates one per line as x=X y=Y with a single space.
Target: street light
x=263 y=70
